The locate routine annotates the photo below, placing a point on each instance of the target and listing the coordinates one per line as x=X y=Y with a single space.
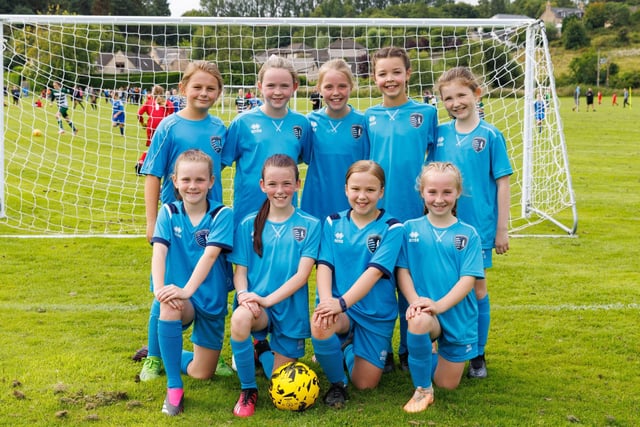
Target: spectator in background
x=576 y=99
x=241 y=102
x=589 y=96
x=316 y=99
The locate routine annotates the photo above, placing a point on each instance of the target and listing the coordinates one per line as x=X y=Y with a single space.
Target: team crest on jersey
x=478 y=144
x=297 y=131
x=299 y=233
x=356 y=131
x=201 y=238
x=460 y=241
x=216 y=143
x=373 y=242
x=416 y=119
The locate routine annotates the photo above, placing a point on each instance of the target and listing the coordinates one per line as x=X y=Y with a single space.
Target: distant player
x=257 y=134
x=155 y=109
x=60 y=98
x=337 y=141
x=117 y=111
x=356 y=309
x=440 y=260
x=479 y=150
x=539 y=110
x=274 y=251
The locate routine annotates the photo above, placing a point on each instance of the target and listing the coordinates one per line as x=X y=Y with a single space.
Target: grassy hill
x=604 y=41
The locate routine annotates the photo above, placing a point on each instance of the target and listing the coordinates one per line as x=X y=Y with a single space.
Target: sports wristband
x=240 y=292
x=343 y=304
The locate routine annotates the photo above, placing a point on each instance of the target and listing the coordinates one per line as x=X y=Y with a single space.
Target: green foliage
x=595 y=15
x=574 y=35
x=584 y=67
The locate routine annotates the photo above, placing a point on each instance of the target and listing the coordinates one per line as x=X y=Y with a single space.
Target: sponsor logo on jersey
x=478 y=144
x=177 y=231
x=373 y=242
x=356 y=131
x=255 y=128
x=201 y=238
x=216 y=143
x=338 y=237
x=372 y=121
x=460 y=241
x=416 y=119
x=440 y=141
x=314 y=125
x=299 y=233
x=414 y=237
x=297 y=131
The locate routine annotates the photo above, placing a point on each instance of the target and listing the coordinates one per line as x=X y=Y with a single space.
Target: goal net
x=55 y=183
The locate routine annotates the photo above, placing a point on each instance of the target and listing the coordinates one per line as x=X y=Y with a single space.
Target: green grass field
x=563 y=347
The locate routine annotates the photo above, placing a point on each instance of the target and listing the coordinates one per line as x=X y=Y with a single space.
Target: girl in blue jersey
x=440 y=260
x=479 y=150
x=117 y=112
x=261 y=132
x=357 y=309
x=401 y=132
x=192 y=127
x=337 y=141
x=274 y=252
x=189 y=275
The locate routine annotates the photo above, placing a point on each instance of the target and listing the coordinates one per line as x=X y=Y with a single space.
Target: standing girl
x=261 y=132
x=117 y=113
x=337 y=141
x=357 y=309
x=479 y=150
x=401 y=132
x=274 y=251
x=440 y=260
x=192 y=127
x=189 y=276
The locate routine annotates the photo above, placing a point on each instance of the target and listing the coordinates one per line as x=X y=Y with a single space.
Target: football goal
x=56 y=182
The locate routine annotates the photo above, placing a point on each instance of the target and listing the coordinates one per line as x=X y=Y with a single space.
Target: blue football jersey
x=175 y=135
x=253 y=137
x=335 y=145
x=482 y=158
x=186 y=244
x=436 y=259
x=284 y=244
x=400 y=138
x=349 y=251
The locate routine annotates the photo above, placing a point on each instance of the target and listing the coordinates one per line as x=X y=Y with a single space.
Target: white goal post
x=54 y=183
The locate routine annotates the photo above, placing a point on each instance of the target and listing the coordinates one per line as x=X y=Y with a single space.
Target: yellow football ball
x=37 y=132
x=294 y=387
